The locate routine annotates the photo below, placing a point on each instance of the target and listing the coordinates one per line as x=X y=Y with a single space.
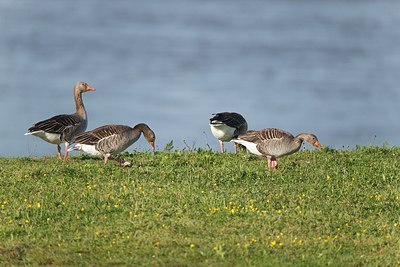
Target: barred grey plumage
x=112 y=139
x=63 y=128
x=273 y=143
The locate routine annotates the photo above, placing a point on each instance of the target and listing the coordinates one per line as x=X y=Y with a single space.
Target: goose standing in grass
x=63 y=128
x=227 y=125
x=112 y=139
x=273 y=143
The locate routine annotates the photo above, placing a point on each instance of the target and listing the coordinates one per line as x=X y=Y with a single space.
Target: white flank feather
x=252 y=147
x=90 y=149
x=48 y=137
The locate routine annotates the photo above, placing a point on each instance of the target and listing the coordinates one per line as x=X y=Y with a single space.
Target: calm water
x=328 y=67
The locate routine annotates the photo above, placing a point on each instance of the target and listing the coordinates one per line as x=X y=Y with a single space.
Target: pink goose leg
x=222 y=146
x=59 y=152
x=66 y=151
x=272 y=163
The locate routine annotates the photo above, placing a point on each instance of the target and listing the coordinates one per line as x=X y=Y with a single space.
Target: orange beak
x=317 y=144
x=89 y=88
x=152 y=145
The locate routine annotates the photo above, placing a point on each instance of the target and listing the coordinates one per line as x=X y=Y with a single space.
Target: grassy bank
x=202 y=208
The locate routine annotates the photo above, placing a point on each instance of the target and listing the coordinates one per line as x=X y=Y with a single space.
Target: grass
x=200 y=208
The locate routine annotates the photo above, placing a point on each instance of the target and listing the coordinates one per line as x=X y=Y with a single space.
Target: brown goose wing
x=94 y=136
x=273 y=134
x=57 y=124
x=269 y=141
x=251 y=136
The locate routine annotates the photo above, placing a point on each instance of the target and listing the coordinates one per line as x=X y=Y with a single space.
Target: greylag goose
x=112 y=139
x=63 y=128
x=273 y=143
x=227 y=125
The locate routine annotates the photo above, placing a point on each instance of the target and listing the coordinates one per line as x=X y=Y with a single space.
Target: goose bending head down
x=109 y=140
x=273 y=143
x=227 y=125
x=63 y=128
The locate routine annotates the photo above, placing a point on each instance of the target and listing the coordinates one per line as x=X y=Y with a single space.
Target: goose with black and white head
x=63 y=128
x=227 y=125
x=109 y=140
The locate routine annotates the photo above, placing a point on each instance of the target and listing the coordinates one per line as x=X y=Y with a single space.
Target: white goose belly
x=52 y=138
x=222 y=132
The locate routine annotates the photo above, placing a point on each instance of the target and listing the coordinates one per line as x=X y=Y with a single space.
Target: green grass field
x=198 y=208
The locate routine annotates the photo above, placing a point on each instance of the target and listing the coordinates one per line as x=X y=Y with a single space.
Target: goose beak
x=89 y=88
x=152 y=145
x=317 y=144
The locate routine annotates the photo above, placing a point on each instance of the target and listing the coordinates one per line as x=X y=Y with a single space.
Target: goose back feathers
x=112 y=139
x=63 y=128
x=226 y=125
x=273 y=143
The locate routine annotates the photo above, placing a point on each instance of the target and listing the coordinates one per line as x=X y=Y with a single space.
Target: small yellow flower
x=82 y=209
x=272 y=244
x=38 y=205
x=192 y=245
